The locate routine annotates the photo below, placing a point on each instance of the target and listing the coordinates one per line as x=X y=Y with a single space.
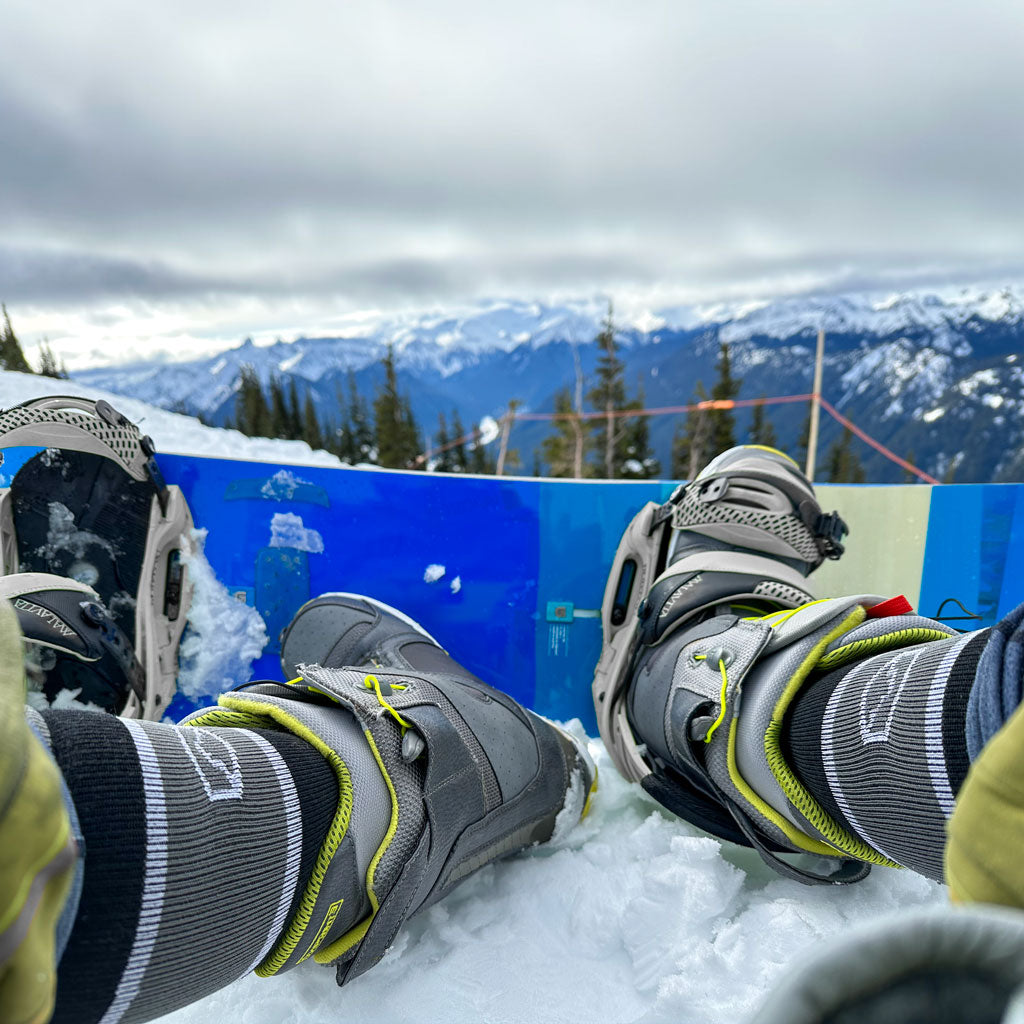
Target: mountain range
x=934 y=375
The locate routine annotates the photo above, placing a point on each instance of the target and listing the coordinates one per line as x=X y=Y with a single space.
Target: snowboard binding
x=94 y=508
x=72 y=644
x=744 y=534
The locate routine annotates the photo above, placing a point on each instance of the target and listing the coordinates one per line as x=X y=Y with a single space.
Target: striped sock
x=881 y=745
x=198 y=844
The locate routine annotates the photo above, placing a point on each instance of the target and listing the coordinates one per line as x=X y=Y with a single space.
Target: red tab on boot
x=894 y=606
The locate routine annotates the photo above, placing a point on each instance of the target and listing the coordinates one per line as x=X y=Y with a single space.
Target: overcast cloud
x=187 y=172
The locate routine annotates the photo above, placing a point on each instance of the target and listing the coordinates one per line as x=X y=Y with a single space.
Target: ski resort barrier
x=508 y=573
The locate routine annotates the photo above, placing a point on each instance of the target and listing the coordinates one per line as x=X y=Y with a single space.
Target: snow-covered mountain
x=933 y=374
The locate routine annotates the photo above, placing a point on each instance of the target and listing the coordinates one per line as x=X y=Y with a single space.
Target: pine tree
x=444 y=457
x=296 y=424
x=479 y=460
x=48 y=366
x=311 y=432
x=761 y=429
x=355 y=436
x=280 y=417
x=639 y=462
x=803 y=441
x=842 y=465
x=459 y=459
x=252 y=414
x=11 y=355
x=608 y=396
x=690 y=442
x=395 y=434
x=722 y=429
x=559 y=448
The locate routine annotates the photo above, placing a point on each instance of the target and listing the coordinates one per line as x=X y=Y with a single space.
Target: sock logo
x=215 y=763
x=881 y=694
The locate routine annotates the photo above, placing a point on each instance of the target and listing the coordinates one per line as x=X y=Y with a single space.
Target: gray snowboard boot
x=338 y=629
x=470 y=775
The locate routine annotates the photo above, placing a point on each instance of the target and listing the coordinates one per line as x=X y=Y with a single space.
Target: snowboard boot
x=339 y=629
x=470 y=777
x=74 y=650
x=37 y=852
x=709 y=706
x=740 y=537
x=93 y=506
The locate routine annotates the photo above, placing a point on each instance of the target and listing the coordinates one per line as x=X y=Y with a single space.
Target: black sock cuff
x=104 y=778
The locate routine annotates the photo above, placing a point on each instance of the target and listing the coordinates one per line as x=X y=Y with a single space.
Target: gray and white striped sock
x=881 y=745
x=198 y=844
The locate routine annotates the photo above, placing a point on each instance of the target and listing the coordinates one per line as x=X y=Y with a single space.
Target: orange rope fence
x=711 y=403
x=877 y=445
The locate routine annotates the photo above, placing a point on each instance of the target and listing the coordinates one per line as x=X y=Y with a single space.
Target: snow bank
x=633 y=916
x=170 y=431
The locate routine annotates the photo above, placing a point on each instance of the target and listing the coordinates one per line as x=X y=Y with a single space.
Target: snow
x=170 y=431
x=433 y=573
x=489 y=430
x=288 y=531
x=456 y=584
x=224 y=635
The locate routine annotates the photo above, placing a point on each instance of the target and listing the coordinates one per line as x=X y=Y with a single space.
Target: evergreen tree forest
x=13 y=358
x=381 y=431
x=604 y=440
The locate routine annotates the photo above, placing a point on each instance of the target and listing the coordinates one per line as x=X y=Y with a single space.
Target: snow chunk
x=433 y=573
x=456 y=584
x=287 y=531
x=489 y=430
x=63 y=700
x=224 y=636
x=282 y=486
x=63 y=535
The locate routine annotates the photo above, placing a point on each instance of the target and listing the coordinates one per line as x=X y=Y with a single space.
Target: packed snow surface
x=633 y=915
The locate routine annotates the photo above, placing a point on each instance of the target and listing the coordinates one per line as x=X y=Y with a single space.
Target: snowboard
x=508 y=573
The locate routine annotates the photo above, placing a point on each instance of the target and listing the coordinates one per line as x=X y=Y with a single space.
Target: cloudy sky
x=177 y=174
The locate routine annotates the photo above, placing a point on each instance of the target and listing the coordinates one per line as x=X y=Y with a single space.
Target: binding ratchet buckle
x=829 y=530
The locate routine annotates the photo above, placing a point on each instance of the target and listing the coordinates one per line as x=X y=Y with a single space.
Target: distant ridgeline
x=937 y=380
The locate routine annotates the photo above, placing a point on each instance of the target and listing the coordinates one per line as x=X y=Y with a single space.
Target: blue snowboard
x=508 y=574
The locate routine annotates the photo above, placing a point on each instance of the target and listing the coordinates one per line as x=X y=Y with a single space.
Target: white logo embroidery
x=215 y=763
x=881 y=695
